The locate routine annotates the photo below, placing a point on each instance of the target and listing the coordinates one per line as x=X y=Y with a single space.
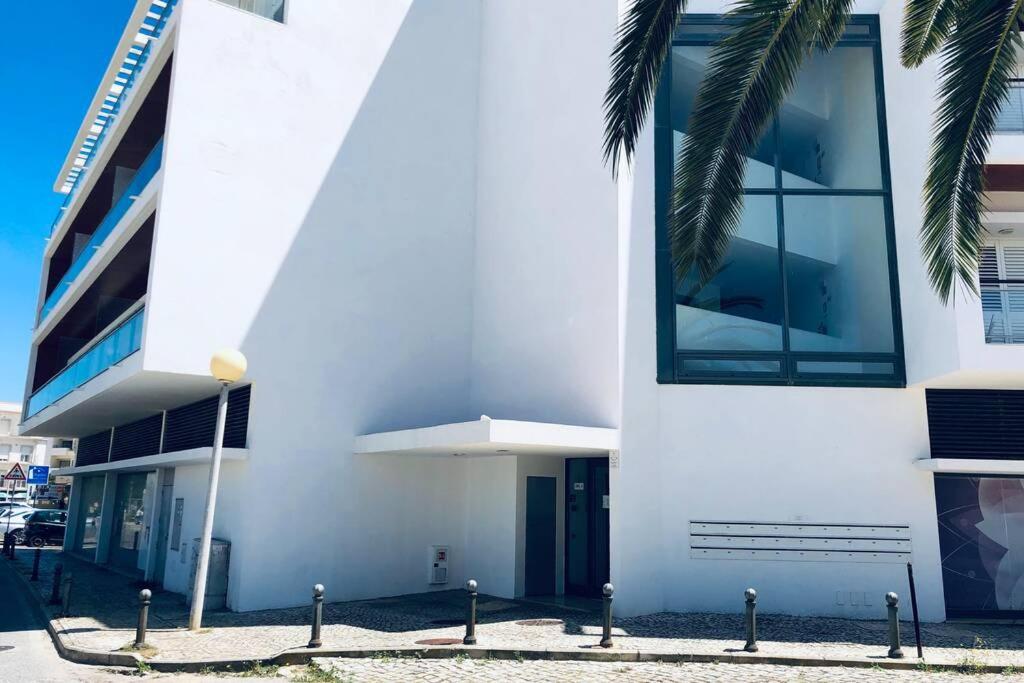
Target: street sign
x=38 y=474
x=15 y=474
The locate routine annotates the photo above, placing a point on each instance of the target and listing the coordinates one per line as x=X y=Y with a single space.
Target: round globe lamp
x=228 y=366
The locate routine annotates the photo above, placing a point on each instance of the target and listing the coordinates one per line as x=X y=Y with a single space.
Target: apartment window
x=807 y=291
x=5 y=449
x=270 y=9
x=1001 y=276
x=5 y=425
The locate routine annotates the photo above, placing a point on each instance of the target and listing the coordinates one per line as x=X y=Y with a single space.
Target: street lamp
x=227 y=366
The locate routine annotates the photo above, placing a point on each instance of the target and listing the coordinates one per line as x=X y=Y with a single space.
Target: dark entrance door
x=541 y=493
x=586 y=525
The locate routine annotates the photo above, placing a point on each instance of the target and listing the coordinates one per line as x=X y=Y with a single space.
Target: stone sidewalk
x=104 y=608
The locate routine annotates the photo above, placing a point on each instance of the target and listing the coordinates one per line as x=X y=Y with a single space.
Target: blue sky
x=52 y=56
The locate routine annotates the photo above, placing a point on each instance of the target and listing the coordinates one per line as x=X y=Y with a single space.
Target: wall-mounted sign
x=577 y=486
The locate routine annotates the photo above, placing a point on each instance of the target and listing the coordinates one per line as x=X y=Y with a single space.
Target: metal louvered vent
x=193 y=425
x=137 y=439
x=976 y=424
x=93 y=449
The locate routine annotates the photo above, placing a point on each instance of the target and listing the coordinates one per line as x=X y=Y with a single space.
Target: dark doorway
x=541 y=493
x=586 y=525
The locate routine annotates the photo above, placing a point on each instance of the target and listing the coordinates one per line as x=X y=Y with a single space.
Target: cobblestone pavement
x=104 y=610
x=377 y=670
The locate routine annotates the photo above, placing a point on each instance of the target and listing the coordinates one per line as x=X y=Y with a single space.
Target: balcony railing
x=1002 y=303
x=118 y=344
x=138 y=183
x=1011 y=116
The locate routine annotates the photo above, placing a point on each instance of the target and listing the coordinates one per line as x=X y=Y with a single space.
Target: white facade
x=399 y=212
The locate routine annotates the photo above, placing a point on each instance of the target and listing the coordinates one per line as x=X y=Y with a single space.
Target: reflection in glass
x=829 y=124
x=90 y=514
x=740 y=309
x=688 y=66
x=837 y=273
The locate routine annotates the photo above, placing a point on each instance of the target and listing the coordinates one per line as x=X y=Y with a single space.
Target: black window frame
x=862 y=30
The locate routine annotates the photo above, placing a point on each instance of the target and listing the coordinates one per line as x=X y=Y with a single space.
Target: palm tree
x=753 y=69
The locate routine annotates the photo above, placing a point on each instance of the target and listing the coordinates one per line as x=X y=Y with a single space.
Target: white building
x=17 y=448
x=399 y=212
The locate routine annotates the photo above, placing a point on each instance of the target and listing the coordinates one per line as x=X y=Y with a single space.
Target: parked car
x=14 y=521
x=45 y=526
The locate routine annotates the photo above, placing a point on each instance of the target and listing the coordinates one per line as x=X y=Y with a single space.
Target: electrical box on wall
x=438 y=565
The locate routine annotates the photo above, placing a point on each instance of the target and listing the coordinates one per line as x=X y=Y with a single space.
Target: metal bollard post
x=318 y=615
x=893 y=600
x=65 y=609
x=750 y=595
x=606 y=615
x=470 y=638
x=7 y=544
x=35 y=564
x=55 y=592
x=145 y=597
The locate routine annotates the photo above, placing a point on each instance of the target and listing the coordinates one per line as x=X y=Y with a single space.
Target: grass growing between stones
x=315 y=673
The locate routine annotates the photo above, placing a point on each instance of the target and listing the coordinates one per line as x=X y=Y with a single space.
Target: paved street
x=26 y=651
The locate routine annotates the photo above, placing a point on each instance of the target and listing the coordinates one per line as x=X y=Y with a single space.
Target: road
x=26 y=651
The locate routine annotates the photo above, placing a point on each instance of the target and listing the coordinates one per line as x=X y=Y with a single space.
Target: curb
x=70 y=653
x=302 y=655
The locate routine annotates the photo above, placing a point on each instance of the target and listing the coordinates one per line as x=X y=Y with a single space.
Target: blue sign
x=38 y=474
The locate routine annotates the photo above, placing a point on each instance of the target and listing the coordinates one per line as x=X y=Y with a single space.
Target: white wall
x=761 y=454
x=490 y=519
x=230 y=516
x=544 y=283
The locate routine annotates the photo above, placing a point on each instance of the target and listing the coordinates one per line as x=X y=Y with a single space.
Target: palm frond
x=977 y=62
x=749 y=74
x=926 y=25
x=642 y=44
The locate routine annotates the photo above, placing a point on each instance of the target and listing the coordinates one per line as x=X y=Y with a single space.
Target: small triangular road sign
x=16 y=473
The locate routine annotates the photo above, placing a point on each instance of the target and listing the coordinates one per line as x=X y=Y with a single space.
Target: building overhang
x=492 y=437
x=971 y=466
x=194 y=456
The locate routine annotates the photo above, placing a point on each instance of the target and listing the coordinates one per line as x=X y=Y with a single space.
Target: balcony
x=130 y=194
x=112 y=348
x=1001 y=276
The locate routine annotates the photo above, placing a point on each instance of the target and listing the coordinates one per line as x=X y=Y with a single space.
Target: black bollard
x=892 y=601
x=606 y=615
x=750 y=596
x=55 y=592
x=318 y=615
x=66 y=595
x=470 y=638
x=145 y=597
x=35 y=564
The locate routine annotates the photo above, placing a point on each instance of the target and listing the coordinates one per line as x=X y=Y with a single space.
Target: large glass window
x=806 y=293
x=90 y=515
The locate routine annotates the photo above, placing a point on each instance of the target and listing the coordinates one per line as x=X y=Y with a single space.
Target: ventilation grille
x=93 y=449
x=976 y=424
x=194 y=425
x=137 y=439
x=799 y=542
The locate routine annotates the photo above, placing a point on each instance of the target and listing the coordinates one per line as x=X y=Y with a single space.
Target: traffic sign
x=15 y=473
x=38 y=474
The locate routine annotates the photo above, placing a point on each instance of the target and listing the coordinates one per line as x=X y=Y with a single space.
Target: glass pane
x=688 y=65
x=711 y=366
x=741 y=308
x=844 y=368
x=837 y=272
x=829 y=123
x=90 y=514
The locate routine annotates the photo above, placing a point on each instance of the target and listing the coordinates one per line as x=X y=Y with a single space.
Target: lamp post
x=226 y=366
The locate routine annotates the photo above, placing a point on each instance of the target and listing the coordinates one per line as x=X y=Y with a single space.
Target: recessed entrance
x=586 y=525
x=128 y=521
